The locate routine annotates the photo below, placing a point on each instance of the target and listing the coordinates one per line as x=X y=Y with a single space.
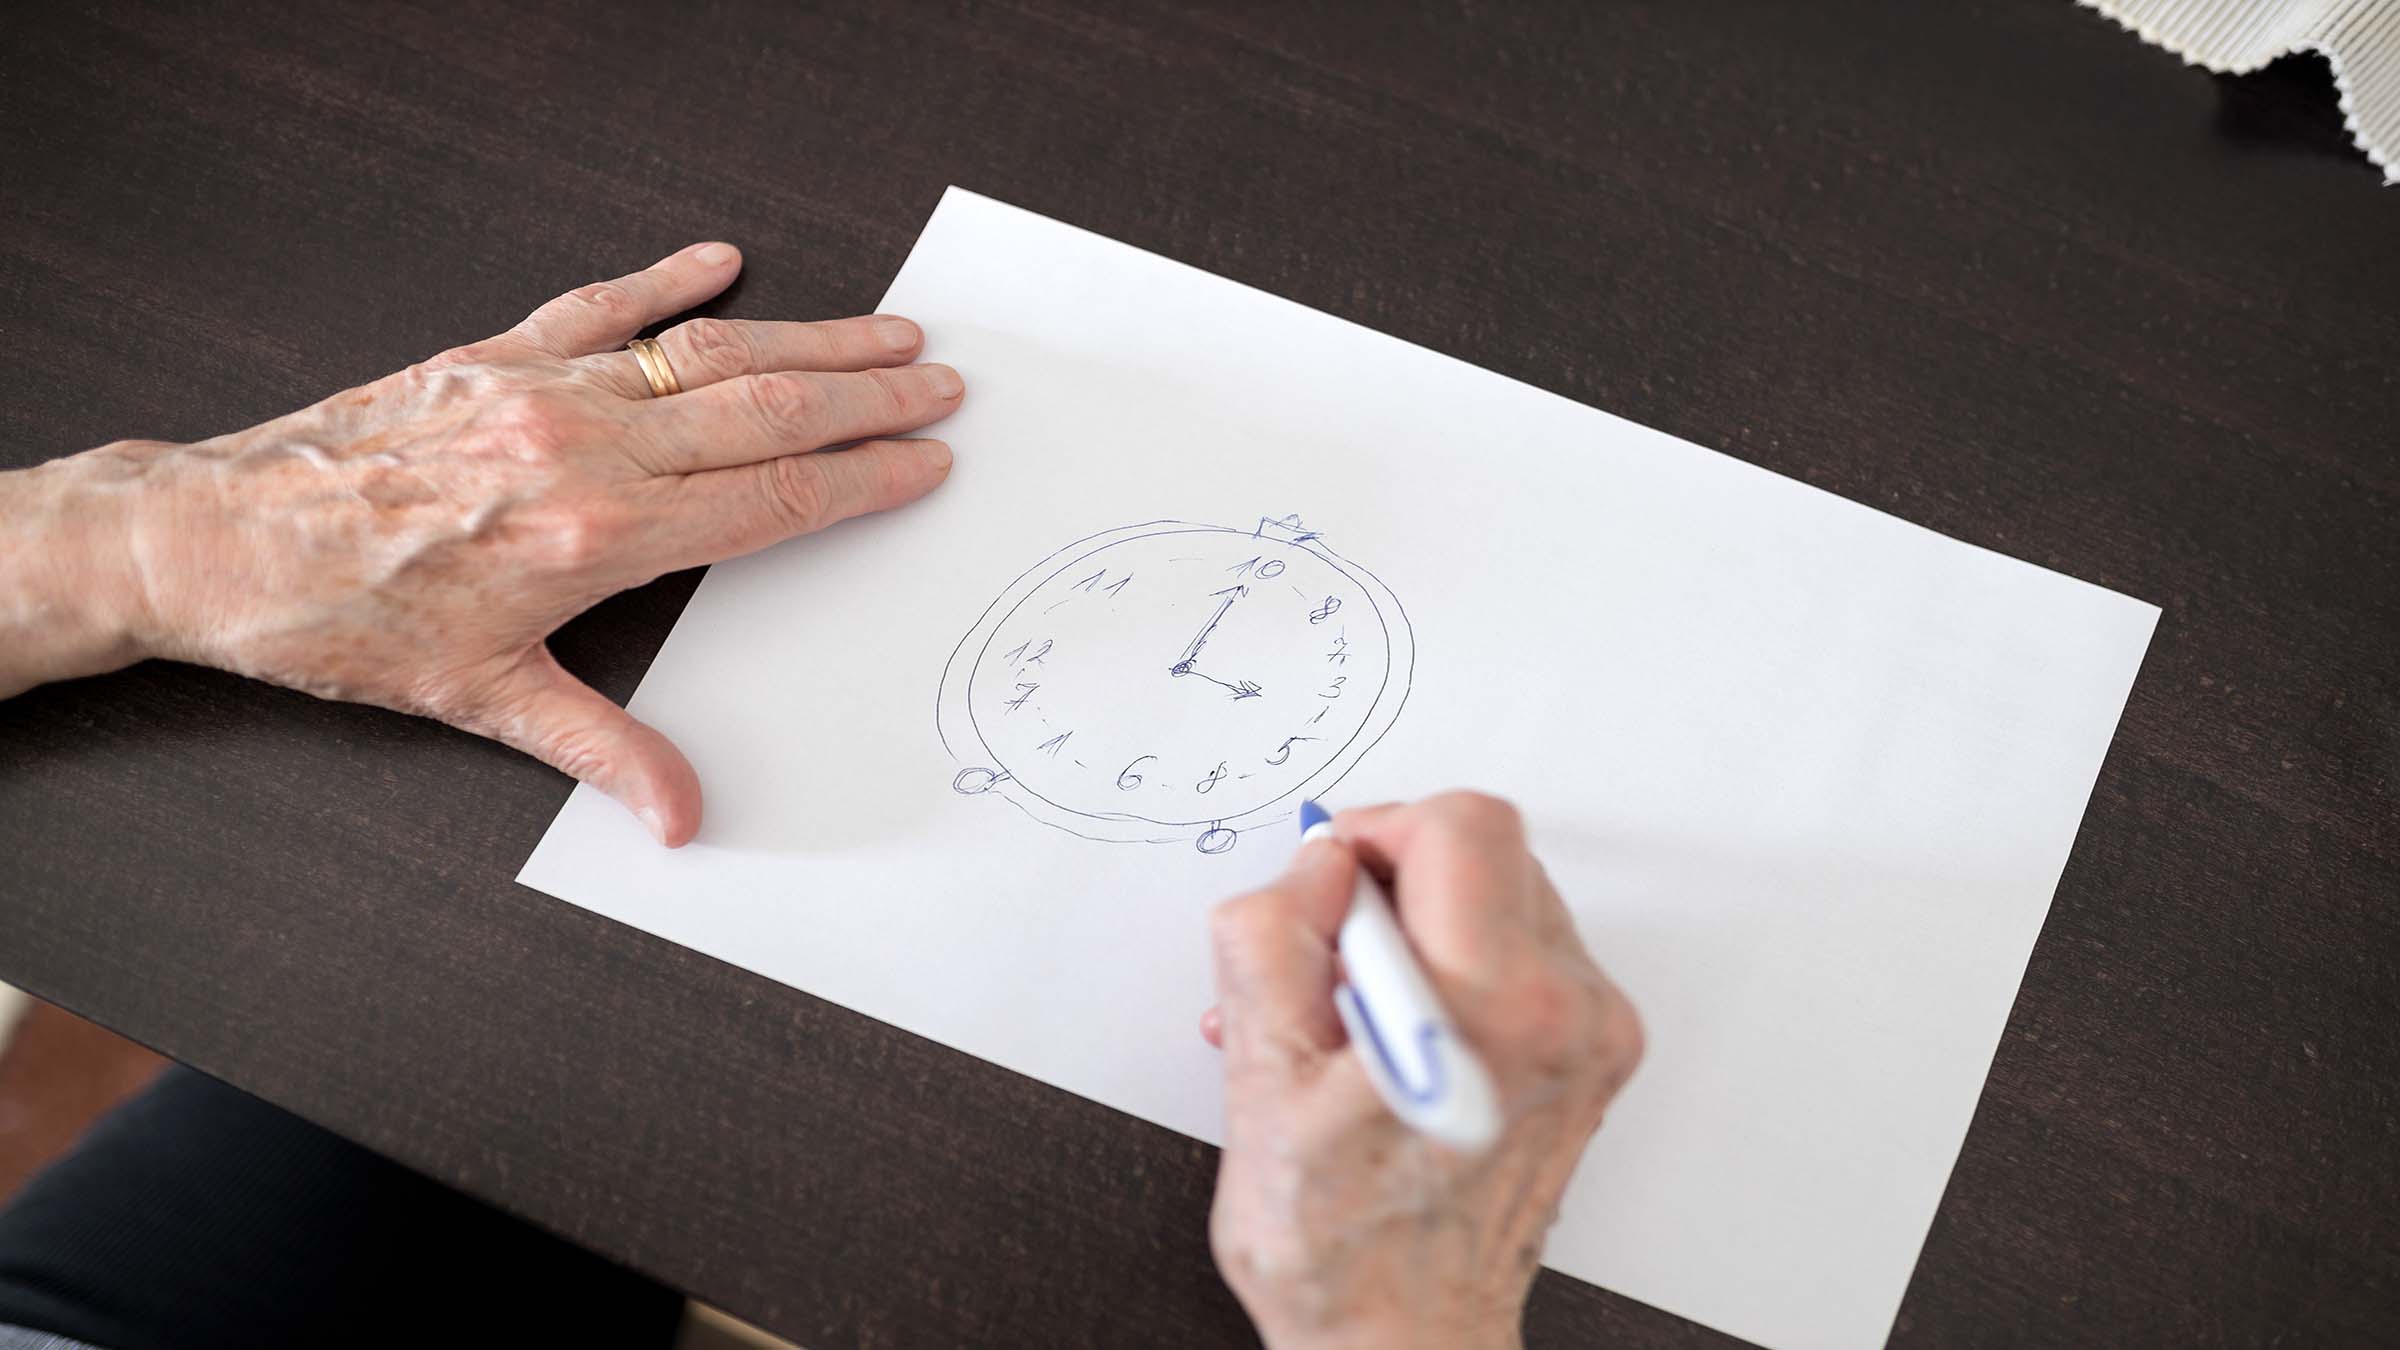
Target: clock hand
x=1192 y=653
x=1243 y=690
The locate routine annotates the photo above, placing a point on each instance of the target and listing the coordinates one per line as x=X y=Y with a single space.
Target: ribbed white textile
x=2361 y=38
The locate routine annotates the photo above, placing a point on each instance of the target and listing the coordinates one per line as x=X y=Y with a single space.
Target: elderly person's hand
x=412 y=542
x=1334 y=1224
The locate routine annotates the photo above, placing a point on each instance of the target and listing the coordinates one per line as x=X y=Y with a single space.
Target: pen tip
x=1312 y=815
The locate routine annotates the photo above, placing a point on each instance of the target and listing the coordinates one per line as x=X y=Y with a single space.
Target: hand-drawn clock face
x=1173 y=681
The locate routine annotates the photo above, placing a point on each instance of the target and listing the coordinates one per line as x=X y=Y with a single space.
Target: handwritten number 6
x=1129 y=780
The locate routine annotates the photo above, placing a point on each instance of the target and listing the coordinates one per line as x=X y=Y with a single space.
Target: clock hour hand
x=1192 y=653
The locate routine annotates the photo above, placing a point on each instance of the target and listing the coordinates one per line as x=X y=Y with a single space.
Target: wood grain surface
x=1991 y=265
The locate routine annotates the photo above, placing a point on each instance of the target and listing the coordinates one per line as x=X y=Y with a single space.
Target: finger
x=537 y=707
x=608 y=314
x=705 y=351
x=788 y=412
x=1551 y=918
x=1275 y=964
x=1212 y=1027
x=707 y=517
x=1463 y=882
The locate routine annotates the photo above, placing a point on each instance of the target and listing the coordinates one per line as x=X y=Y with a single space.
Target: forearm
x=69 y=595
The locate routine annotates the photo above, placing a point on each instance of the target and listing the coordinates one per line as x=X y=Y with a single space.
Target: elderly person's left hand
x=412 y=542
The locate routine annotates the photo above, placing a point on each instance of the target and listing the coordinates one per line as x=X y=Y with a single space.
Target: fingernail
x=937 y=453
x=944 y=382
x=650 y=821
x=715 y=255
x=896 y=334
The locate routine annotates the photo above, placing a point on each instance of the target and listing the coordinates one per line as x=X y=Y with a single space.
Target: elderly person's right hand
x=412 y=542
x=1334 y=1224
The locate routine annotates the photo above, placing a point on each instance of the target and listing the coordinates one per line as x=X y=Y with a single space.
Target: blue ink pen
x=1421 y=1067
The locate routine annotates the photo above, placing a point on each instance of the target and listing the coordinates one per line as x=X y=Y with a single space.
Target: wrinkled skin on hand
x=412 y=542
x=1334 y=1224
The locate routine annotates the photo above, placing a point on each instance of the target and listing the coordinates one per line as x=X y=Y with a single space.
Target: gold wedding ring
x=654 y=367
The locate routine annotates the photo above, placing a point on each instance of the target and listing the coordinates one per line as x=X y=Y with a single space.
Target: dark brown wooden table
x=1995 y=267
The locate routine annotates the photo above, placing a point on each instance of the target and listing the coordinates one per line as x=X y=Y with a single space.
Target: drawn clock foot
x=970 y=782
x=1216 y=839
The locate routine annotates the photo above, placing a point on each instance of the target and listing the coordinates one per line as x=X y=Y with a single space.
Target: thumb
x=1275 y=961
x=537 y=707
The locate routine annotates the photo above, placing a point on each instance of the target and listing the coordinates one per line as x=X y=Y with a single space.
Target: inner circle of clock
x=1182 y=677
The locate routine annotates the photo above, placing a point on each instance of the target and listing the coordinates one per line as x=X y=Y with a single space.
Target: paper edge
x=954 y=190
x=2154 y=615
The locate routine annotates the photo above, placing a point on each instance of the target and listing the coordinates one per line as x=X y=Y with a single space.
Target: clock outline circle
x=987 y=771
x=1210 y=820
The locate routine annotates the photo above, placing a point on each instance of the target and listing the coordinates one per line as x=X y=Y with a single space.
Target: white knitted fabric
x=2361 y=38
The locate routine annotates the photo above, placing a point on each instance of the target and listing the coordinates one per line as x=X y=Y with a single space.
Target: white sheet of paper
x=1807 y=773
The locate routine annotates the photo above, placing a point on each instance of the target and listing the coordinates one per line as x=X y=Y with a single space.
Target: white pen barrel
x=1413 y=1053
x=1383 y=970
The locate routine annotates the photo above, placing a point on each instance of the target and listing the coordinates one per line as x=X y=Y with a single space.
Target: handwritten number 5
x=1284 y=751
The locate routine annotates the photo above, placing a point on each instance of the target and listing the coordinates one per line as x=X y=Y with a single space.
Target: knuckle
x=1483 y=814
x=576 y=538
x=1543 y=1018
x=880 y=478
x=1621 y=1040
x=1236 y=924
x=785 y=402
x=797 y=493
x=457 y=369
x=1227 y=919
x=895 y=393
x=717 y=347
x=607 y=300
x=579 y=752
x=528 y=425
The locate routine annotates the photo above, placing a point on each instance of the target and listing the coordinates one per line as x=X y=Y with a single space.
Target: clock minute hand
x=1192 y=653
x=1243 y=690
